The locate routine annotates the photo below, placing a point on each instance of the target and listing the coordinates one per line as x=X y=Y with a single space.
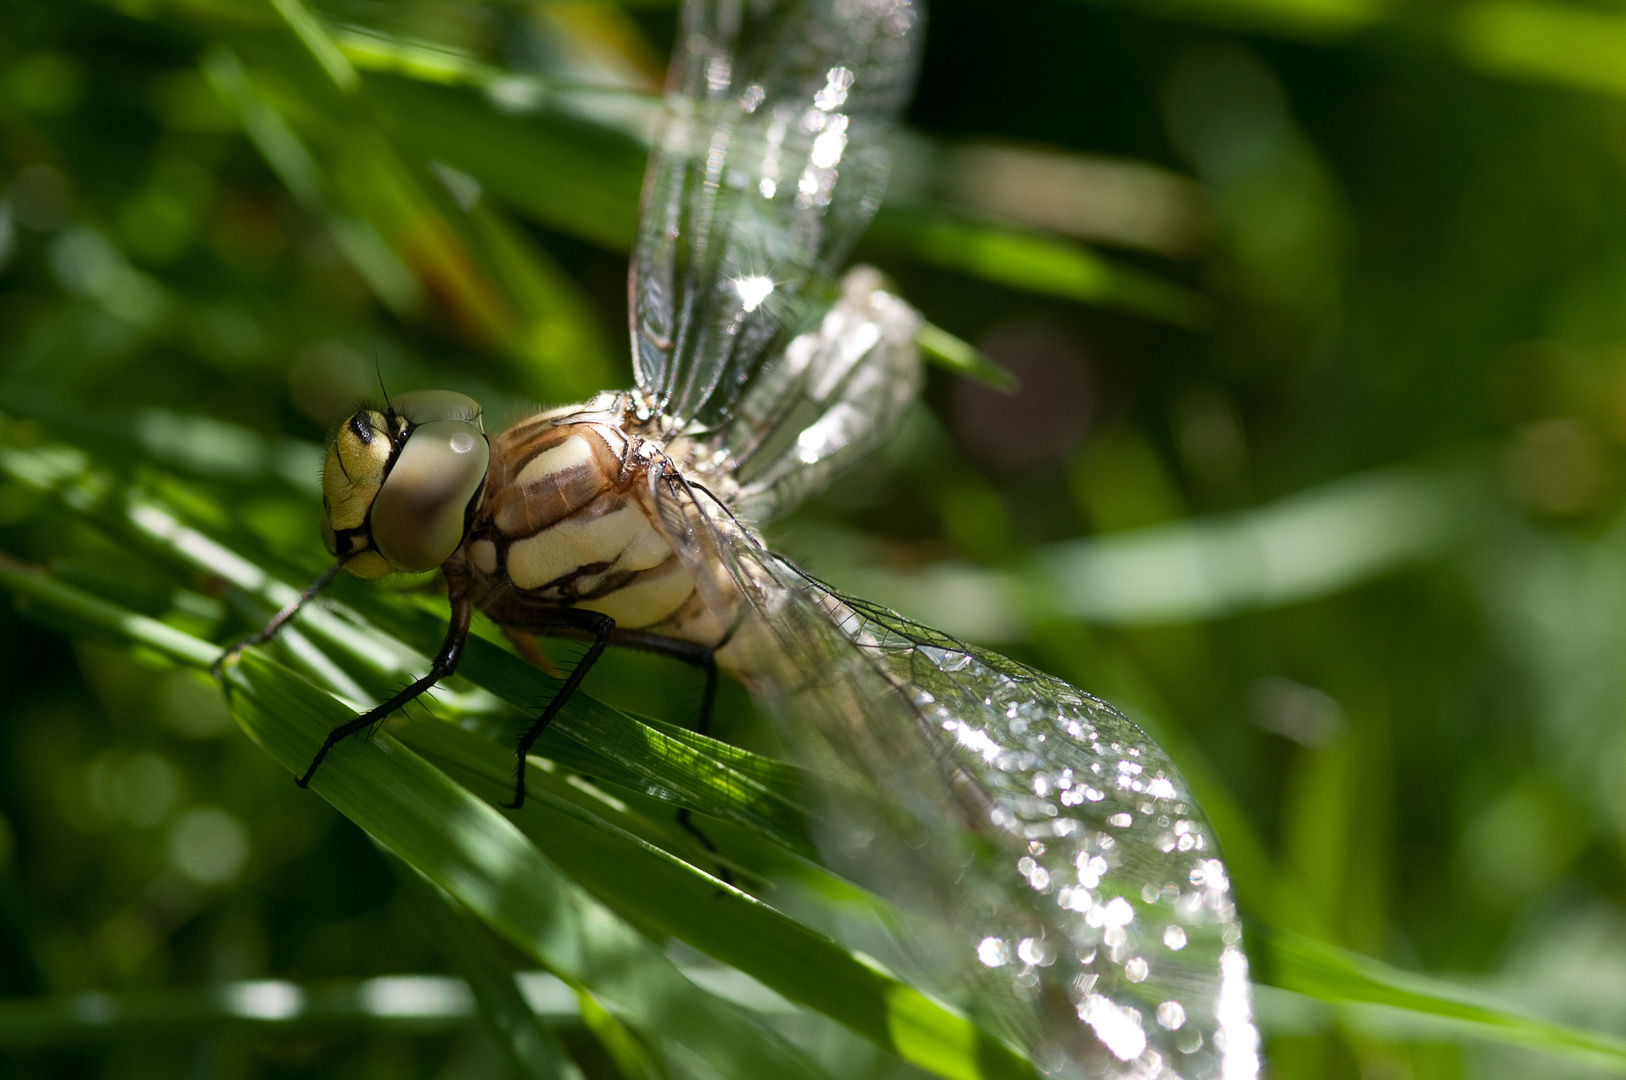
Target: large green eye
x=425 y=406
x=419 y=513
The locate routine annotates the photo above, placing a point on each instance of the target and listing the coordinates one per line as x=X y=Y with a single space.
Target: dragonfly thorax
x=399 y=485
x=567 y=520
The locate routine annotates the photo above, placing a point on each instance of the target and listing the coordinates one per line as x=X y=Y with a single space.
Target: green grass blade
x=479 y=857
x=657 y=890
x=36 y=590
x=1316 y=969
x=647 y=885
x=1036 y=262
x=531 y=1050
x=702 y=774
x=946 y=350
x=618 y=1042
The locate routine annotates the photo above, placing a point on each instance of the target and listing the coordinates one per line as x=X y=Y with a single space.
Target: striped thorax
x=568 y=520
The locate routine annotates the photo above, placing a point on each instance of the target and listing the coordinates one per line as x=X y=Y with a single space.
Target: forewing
x=1080 y=882
x=770 y=160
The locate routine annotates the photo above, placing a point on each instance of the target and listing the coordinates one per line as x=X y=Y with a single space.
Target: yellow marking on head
x=572 y=453
x=369 y=565
x=354 y=469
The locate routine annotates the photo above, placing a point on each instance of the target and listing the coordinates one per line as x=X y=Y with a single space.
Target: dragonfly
x=1081 y=886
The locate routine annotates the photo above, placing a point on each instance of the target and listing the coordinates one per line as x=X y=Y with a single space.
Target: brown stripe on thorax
x=541 y=476
x=569 y=520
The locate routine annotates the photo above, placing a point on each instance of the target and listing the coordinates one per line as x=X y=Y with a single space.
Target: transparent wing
x=1080 y=886
x=835 y=395
x=770 y=160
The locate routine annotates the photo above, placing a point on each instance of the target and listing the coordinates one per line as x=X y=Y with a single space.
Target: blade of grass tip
x=1329 y=973
x=651 y=887
x=527 y=1045
x=1036 y=262
x=946 y=350
x=478 y=856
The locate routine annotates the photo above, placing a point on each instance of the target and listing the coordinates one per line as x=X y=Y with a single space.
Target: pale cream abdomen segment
x=620 y=541
x=648 y=598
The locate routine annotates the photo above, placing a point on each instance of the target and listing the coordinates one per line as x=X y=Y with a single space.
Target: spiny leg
x=580 y=619
x=704 y=658
x=451 y=651
x=570 y=623
x=697 y=656
x=260 y=637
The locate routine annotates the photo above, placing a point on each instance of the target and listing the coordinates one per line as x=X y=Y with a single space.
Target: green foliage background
x=1320 y=312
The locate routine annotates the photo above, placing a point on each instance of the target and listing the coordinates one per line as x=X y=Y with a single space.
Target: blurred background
x=1319 y=308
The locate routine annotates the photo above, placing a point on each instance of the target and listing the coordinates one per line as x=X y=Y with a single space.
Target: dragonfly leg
x=451 y=651
x=601 y=626
x=566 y=623
x=706 y=660
x=689 y=653
x=260 y=637
x=702 y=726
x=708 y=697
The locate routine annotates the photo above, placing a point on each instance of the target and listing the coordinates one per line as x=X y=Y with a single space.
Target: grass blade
x=1316 y=969
x=523 y=1041
x=479 y=857
x=657 y=890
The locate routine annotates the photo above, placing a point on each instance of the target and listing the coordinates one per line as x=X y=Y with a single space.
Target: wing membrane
x=1079 y=883
x=770 y=160
x=835 y=394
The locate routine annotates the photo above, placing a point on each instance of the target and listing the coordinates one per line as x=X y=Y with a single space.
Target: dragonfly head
x=398 y=484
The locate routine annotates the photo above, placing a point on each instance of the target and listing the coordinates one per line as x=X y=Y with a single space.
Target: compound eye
x=419 y=514
x=426 y=406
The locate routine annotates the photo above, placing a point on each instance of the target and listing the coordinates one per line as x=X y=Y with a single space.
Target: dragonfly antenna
x=378 y=368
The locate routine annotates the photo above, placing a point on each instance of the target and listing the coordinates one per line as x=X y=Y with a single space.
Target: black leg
x=451 y=651
x=277 y=620
x=568 y=623
x=601 y=626
x=703 y=727
x=572 y=624
x=708 y=697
